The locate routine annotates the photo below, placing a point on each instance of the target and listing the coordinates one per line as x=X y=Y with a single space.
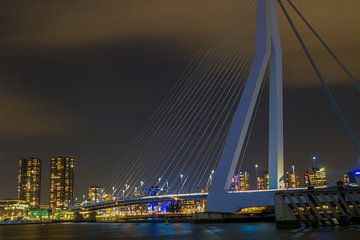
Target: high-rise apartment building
x=29 y=181
x=61 y=182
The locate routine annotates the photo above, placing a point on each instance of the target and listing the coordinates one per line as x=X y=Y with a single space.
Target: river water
x=90 y=231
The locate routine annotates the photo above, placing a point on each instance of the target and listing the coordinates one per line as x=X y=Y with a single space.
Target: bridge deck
x=164 y=198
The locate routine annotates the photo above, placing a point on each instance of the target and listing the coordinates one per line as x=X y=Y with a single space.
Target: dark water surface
x=89 y=231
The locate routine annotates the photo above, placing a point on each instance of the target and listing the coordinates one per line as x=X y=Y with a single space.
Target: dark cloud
x=50 y=23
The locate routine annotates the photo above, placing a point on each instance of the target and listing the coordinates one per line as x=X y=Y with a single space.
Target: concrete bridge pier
x=85 y=216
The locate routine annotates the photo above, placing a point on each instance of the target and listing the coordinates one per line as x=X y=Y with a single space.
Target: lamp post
x=113 y=191
x=293 y=170
x=314 y=158
x=256 y=175
x=181 y=181
x=210 y=180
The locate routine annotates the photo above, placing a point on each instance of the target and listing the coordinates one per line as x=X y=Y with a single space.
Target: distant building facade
x=291 y=180
x=95 y=194
x=263 y=181
x=13 y=209
x=61 y=182
x=240 y=182
x=29 y=181
x=315 y=177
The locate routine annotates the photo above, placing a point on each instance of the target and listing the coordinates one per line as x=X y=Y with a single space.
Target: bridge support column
x=276 y=141
x=267 y=46
x=88 y=216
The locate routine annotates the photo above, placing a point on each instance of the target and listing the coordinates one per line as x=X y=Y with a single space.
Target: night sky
x=82 y=78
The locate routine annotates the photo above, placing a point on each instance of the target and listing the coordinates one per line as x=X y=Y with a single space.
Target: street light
x=256 y=175
x=181 y=181
x=256 y=167
x=209 y=180
x=293 y=168
x=314 y=158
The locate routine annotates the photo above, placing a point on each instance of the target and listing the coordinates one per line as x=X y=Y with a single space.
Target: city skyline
x=174 y=120
x=61 y=182
x=95 y=110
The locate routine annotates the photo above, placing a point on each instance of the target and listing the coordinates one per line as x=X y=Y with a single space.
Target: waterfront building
x=244 y=181
x=39 y=215
x=291 y=180
x=234 y=185
x=240 y=182
x=13 y=210
x=61 y=182
x=29 y=181
x=315 y=177
x=95 y=194
x=263 y=181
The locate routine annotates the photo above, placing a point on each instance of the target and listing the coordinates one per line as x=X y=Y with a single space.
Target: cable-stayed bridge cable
x=216 y=144
x=134 y=158
x=324 y=85
x=355 y=82
x=209 y=114
x=185 y=132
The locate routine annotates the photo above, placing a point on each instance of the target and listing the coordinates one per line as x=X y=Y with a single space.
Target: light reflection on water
x=89 y=231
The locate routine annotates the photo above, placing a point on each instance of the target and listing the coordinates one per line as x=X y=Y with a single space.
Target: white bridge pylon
x=268 y=53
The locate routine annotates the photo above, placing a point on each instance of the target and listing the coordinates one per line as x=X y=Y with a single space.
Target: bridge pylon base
x=88 y=216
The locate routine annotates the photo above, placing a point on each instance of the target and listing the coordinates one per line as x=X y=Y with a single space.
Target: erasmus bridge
x=198 y=137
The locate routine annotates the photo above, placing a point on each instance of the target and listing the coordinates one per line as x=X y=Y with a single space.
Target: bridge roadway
x=249 y=197
x=141 y=200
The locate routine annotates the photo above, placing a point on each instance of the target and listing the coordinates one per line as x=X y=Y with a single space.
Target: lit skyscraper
x=61 y=182
x=29 y=181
